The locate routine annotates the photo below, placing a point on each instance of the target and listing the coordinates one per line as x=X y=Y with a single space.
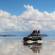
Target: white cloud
x=4 y=13
x=30 y=19
x=37 y=19
x=7 y=22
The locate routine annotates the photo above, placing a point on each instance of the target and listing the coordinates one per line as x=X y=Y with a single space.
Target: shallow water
x=14 y=46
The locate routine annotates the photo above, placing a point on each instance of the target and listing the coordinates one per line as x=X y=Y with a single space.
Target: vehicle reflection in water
x=36 y=48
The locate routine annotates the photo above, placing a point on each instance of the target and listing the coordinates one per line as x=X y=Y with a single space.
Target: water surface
x=14 y=46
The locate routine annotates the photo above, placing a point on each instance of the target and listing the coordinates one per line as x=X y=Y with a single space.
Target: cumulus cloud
x=4 y=13
x=7 y=22
x=30 y=19
x=37 y=19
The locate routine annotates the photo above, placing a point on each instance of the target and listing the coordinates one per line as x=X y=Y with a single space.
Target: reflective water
x=14 y=46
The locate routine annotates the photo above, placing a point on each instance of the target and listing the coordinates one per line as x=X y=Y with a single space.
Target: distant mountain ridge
x=15 y=33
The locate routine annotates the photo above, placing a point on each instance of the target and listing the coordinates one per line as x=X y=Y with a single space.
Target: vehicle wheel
x=39 y=38
x=25 y=38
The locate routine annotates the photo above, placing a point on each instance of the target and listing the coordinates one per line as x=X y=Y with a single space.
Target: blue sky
x=17 y=6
